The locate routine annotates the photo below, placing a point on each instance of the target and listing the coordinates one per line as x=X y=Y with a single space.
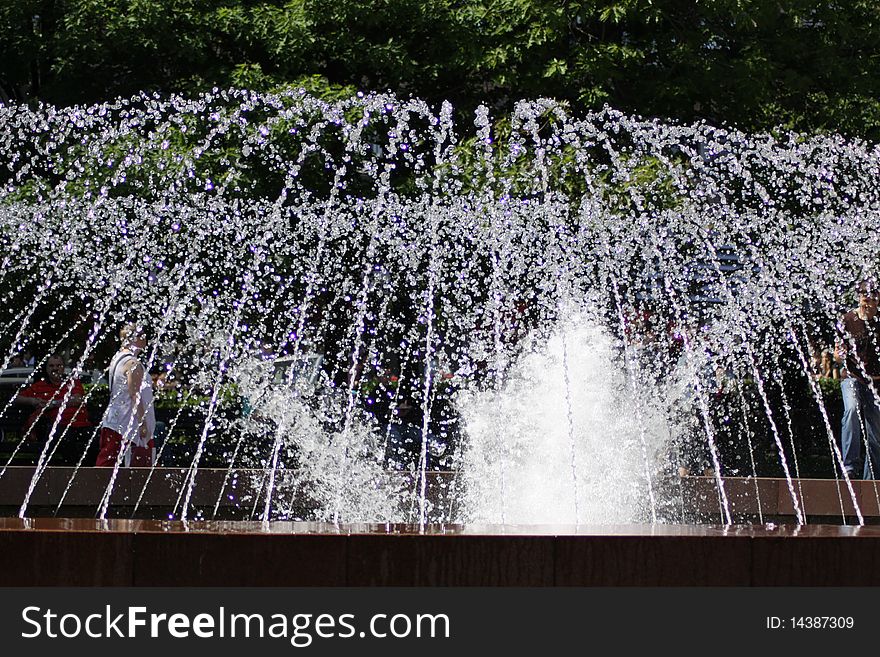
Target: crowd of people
x=852 y=361
x=127 y=431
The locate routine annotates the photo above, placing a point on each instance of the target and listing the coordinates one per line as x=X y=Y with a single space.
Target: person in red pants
x=130 y=420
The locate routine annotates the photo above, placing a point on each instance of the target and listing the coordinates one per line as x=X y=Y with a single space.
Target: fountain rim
x=475 y=530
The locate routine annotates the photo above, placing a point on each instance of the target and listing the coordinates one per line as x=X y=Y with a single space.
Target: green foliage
x=830 y=390
x=808 y=65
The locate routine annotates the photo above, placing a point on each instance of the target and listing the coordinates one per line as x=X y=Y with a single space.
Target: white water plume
x=561 y=447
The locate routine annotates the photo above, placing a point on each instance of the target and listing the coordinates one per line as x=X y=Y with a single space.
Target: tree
x=805 y=64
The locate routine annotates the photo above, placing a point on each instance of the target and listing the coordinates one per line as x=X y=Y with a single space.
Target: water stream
x=561 y=311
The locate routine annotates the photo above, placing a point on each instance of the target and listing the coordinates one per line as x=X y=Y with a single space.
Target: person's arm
x=77 y=394
x=34 y=402
x=27 y=398
x=839 y=351
x=841 y=348
x=135 y=378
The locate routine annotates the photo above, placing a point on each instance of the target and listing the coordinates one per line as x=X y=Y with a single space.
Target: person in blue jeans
x=859 y=349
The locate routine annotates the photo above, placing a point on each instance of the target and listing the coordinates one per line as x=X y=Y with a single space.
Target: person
x=51 y=396
x=815 y=359
x=858 y=342
x=28 y=358
x=829 y=368
x=130 y=420
x=163 y=380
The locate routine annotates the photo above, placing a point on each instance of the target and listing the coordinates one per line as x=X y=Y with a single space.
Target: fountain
x=379 y=316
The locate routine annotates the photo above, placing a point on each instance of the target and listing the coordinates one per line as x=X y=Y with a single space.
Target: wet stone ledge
x=81 y=552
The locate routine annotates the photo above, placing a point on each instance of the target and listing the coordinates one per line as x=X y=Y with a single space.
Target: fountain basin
x=81 y=552
x=148 y=552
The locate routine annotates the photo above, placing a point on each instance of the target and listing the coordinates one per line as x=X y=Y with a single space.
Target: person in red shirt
x=47 y=397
